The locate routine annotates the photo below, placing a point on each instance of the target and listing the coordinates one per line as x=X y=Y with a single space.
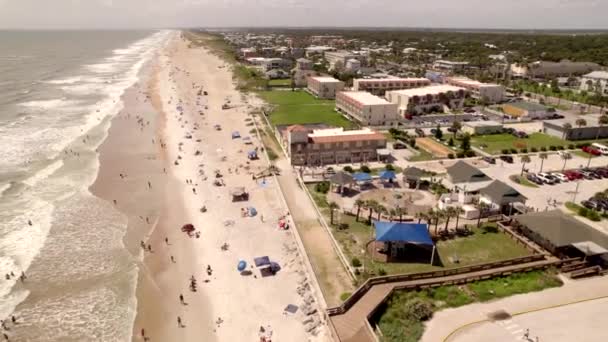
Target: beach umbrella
x=241 y=266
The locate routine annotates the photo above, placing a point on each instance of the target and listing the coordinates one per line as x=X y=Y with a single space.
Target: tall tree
x=448 y=214
x=602 y=121
x=542 y=157
x=466 y=142
x=581 y=122
x=456 y=126
x=483 y=208
x=457 y=212
x=565 y=157
x=524 y=160
x=567 y=127
x=371 y=206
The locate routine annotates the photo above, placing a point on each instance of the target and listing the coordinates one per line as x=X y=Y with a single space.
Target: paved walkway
x=351 y=326
x=456 y=321
x=332 y=277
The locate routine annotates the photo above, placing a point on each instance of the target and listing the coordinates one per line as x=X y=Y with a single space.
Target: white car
x=560 y=176
x=546 y=178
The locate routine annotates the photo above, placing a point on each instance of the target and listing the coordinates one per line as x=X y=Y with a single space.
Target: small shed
x=236 y=135
x=342 y=179
x=252 y=155
x=404 y=240
x=412 y=176
x=239 y=194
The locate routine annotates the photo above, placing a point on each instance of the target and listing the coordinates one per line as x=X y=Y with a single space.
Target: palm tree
x=420 y=216
x=332 y=206
x=524 y=160
x=565 y=157
x=603 y=120
x=483 y=207
x=567 y=127
x=437 y=214
x=542 y=157
x=359 y=203
x=457 y=212
x=371 y=205
x=392 y=213
x=581 y=122
x=380 y=209
x=448 y=214
x=402 y=211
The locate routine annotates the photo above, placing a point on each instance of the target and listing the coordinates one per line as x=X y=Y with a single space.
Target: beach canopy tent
x=239 y=194
x=247 y=140
x=387 y=175
x=236 y=134
x=362 y=177
x=253 y=154
x=341 y=178
x=267 y=267
x=261 y=261
x=252 y=211
x=397 y=234
x=242 y=265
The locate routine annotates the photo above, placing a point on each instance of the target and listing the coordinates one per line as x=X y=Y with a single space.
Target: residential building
x=567 y=129
x=418 y=101
x=342 y=57
x=548 y=70
x=465 y=182
x=450 y=65
x=248 y=52
x=367 y=109
x=316 y=147
x=501 y=197
x=324 y=87
x=275 y=63
x=302 y=72
x=352 y=65
x=527 y=110
x=482 y=127
x=379 y=86
x=304 y=64
x=435 y=76
x=490 y=93
x=317 y=50
x=596 y=82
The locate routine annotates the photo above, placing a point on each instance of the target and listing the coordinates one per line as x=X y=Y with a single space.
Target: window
x=359 y=143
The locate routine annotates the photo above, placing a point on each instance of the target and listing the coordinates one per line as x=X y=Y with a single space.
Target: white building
x=352 y=65
x=482 y=127
x=449 y=65
x=379 y=86
x=324 y=87
x=596 y=81
x=315 y=50
x=491 y=93
x=342 y=57
x=366 y=108
x=419 y=101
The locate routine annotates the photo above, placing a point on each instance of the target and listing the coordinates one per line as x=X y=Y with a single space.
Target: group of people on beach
x=6 y=328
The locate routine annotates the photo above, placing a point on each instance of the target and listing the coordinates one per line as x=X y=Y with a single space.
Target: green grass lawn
x=484 y=245
x=402 y=318
x=494 y=143
x=280 y=82
x=522 y=180
x=423 y=156
x=584 y=154
x=299 y=107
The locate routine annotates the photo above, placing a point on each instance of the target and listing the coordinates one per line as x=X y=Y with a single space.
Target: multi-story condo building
x=450 y=65
x=379 y=86
x=596 y=82
x=367 y=109
x=491 y=93
x=315 y=147
x=342 y=56
x=324 y=87
x=424 y=100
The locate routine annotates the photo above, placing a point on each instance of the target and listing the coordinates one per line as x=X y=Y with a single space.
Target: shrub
x=343 y=226
x=412 y=142
x=552 y=148
x=583 y=211
x=571 y=146
x=593 y=215
x=469 y=153
x=451 y=155
x=451 y=142
x=389 y=167
x=348 y=169
x=418 y=309
x=381 y=271
x=489 y=228
x=355 y=262
x=365 y=168
x=322 y=187
x=560 y=147
x=533 y=149
x=543 y=149
x=460 y=155
x=344 y=296
x=523 y=150
x=513 y=150
x=504 y=151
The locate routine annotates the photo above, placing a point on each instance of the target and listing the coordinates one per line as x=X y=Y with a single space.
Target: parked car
x=399 y=146
x=420 y=132
x=489 y=160
x=534 y=179
x=560 y=176
x=557 y=116
x=593 y=173
x=591 y=205
x=547 y=178
x=591 y=150
x=507 y=159
x=586 y=174
x=469 y=110
x=330 y=171
x=573 y=175
x=602 y=171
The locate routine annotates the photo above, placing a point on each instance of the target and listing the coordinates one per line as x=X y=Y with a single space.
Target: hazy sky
x=585 y=14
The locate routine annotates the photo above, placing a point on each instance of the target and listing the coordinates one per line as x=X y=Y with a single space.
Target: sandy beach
x=168 y=135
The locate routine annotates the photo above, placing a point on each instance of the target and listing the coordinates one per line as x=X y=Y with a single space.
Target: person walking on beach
x=179 y=322
x=167 y=240
x=181 y=299
x=150 y=248
x=172 y=259
x=149 y=185
x=5 y=337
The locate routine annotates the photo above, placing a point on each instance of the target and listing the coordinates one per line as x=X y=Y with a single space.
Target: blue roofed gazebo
x=362 y=177
x=403 y=240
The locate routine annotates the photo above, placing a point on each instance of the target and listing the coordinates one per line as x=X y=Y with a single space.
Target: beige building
x=491 y=93
x=315 y=147
x=367 y=109
x=324 y=87
x=418 y=101
x=379 y=86
x=482 y=127
x=341 y=57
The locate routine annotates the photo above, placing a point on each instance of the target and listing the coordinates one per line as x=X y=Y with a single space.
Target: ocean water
x=58 y=94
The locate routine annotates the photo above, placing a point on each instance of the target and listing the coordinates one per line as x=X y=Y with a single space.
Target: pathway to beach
x=199 y=144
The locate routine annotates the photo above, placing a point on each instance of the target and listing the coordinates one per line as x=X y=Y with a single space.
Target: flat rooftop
x=333 y=132
x=325 y=79
x=488 y=123
x=333 y=135
x=365 y=97
x=527 y=105
x=471 y=82
x=393 y=79
x=436 y=89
